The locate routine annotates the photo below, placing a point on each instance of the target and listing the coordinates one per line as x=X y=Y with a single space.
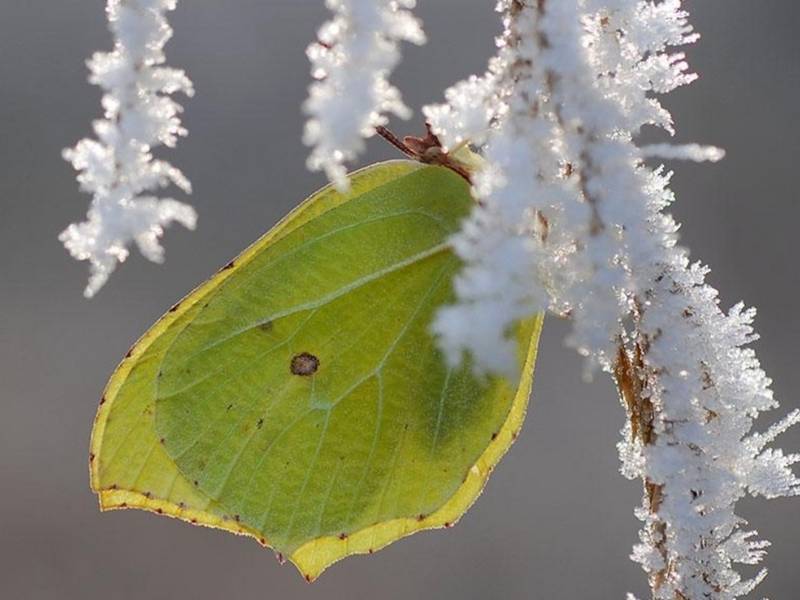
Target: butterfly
x=298 y=395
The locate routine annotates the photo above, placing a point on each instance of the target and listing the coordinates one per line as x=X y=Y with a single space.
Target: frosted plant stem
x=118 y=167
x=352 y=61
x=629 y=371
x=570 y=211
x=631 y=378
x=677 y=431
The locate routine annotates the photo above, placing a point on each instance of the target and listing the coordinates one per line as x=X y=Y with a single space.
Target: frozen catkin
x=352 y=59
x=117 y=167
x=573 y=219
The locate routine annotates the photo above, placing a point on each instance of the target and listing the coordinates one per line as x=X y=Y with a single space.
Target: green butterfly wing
x=298 y=396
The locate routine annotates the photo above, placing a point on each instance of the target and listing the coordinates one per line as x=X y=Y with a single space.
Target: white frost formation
x=572 y=220
x=118 y=168
x=352 y=59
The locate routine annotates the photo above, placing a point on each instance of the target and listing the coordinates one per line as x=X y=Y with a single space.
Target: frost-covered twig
x=571 y=219
x=581 y=80
x=118 y=168
x=351 y=62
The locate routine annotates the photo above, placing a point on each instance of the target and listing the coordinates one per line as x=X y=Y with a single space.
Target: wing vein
x=328 y=298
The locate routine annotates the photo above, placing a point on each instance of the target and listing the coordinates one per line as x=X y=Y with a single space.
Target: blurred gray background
x=556 y=520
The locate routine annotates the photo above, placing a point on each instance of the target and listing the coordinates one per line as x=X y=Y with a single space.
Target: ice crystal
x=118 y=167
x=352 y=59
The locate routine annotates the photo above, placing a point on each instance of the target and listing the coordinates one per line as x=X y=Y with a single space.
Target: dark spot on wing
x=230 y=265
x=304 y=364
x=342 y=536
x=175 y=307
x=260 y=423
x=102 y=400
x=266 y=326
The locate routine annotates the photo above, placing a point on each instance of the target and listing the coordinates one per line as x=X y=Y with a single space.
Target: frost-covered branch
x=352 y=59
x=572 y=219
x=582 y=79
x=118 y=167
